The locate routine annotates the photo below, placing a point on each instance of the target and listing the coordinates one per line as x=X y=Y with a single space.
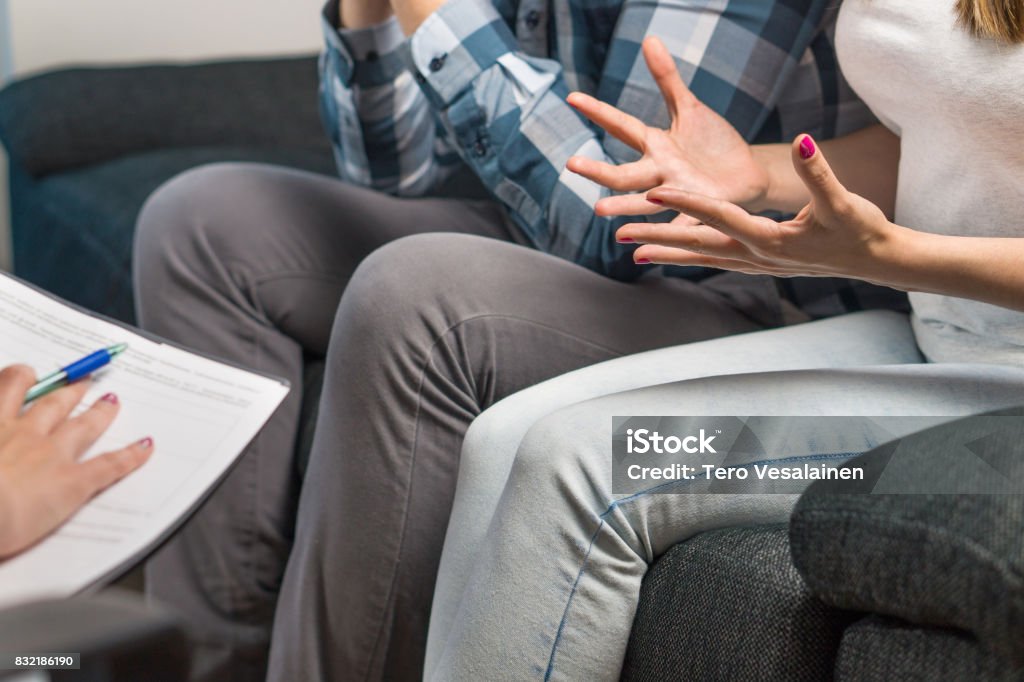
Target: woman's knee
x=564 y=453
x=490 y=445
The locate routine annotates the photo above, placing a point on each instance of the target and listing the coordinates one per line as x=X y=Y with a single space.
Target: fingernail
x=110 y=398
x=643 y=261
x=626 y=240
x=146 y=443
x=659 y=202
x=807 y=147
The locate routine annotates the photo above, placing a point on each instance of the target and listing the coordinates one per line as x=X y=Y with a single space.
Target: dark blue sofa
x=87 y=146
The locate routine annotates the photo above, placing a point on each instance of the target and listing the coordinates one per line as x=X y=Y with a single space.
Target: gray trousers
x=249 y=263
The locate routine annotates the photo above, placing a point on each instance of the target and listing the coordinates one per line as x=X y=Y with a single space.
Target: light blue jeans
x=542 y=562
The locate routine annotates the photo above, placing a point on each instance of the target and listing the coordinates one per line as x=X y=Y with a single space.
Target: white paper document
x=200 y=413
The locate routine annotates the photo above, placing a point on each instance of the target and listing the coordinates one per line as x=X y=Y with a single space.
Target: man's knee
x=428 y=261
x=197 y=207
x=417 y=282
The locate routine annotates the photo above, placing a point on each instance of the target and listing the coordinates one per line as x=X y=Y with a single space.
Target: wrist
x=758 y=203
x=897 y=257
x=412 y=13
x=781 y=189
x=358 y=14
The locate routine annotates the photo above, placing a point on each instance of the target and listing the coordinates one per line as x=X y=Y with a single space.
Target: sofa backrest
x=76 y=117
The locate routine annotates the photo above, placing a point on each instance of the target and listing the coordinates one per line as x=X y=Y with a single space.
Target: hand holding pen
x=42 y=478
x=75 y=371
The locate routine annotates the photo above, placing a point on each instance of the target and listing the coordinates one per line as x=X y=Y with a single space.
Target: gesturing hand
x=838 y=234
x=700 y=151
x=42 y=481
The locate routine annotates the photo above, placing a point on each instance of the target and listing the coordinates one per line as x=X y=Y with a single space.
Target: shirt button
x=437 y=63
x=533 y=19
x=372 y=56
x=480 y=149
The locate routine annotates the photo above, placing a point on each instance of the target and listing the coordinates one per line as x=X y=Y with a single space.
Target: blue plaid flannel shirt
x=483 y=84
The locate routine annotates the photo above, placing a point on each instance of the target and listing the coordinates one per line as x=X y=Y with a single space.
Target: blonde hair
x=1000 y=19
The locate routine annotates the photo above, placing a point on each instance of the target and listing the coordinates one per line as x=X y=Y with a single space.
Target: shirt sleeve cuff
x=454 y=45
x=365 y=56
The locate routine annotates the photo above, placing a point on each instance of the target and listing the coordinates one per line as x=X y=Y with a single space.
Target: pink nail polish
x=643 y=261
x=146 y=443
x=626 y=240
x=110 y=398
x=659 y=202
x=807 y=147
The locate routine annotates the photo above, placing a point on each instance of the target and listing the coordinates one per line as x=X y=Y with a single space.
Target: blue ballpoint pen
x=73 y=372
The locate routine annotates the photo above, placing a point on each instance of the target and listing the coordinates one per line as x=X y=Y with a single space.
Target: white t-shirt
x=957 y=103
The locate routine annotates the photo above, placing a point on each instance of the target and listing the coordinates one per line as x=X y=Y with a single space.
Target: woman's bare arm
x=837 y=234
x=866 y=162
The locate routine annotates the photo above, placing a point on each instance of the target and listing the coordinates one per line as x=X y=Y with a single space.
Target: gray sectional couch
x=864 y=587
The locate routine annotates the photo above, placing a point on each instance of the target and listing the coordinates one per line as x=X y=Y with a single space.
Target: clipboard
x=201 y=412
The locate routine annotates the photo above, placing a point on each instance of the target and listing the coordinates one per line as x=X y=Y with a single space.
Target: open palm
x=838 y=234
x=700 y=151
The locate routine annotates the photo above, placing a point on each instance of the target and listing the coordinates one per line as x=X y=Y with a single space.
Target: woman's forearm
x=357 y=14
x=866 y=162
x=412 y=13
x=986 y=269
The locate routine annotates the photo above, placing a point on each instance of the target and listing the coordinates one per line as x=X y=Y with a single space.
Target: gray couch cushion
x=950 y=560
x=879 y=649
x=728 y=605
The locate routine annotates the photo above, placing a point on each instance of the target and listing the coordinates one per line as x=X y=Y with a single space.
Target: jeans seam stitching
x=632 y=498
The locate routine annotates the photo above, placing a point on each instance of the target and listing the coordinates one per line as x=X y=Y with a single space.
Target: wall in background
x=49 y=33
x=6 y=67
x=5 y=43
x=5 y=215
x=42 y=34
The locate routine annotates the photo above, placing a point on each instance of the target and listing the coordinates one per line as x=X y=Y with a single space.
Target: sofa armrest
x=118 y=638
x=880 y=649
x=941 y=555
x=77 y=117
x=728 y=605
